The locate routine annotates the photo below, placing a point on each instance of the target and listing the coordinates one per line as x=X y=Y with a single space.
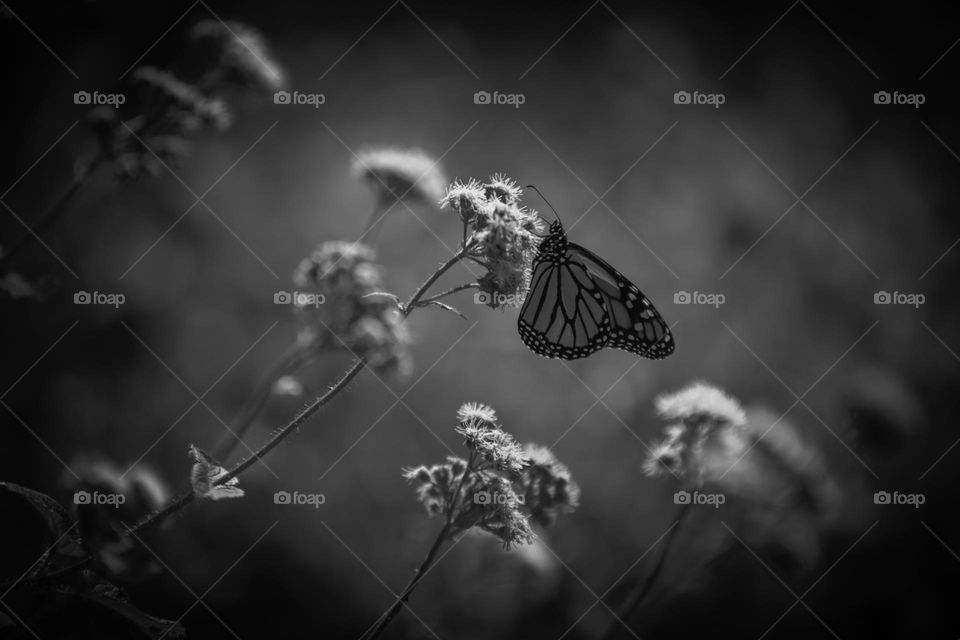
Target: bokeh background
x=686 y=191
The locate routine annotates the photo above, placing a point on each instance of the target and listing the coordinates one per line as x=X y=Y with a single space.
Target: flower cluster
x=338 y=305
x=169 y=109
x=501 y=235
x=500 y=487
x=755 y=455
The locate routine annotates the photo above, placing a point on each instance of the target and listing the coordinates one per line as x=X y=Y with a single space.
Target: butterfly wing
x=634 y=323
x=563 y=315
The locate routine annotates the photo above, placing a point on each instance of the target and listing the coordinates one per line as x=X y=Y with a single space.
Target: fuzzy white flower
x=401 y=173
x=700 y=400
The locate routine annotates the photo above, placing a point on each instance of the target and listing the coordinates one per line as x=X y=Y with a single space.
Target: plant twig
x=642 y=589
x=428 y=560
x=186 y=497
x=51 y=215
x=358 y=365
x=288 y=362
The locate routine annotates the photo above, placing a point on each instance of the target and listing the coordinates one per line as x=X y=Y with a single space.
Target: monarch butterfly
x=578 y=304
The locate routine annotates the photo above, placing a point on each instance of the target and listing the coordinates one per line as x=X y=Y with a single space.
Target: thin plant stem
x=52 y=214
x=183 y=499
x=642 y=589
x=287 y=363
x=428 y=560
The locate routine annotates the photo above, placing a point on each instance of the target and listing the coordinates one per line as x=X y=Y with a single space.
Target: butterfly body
x=578 y=304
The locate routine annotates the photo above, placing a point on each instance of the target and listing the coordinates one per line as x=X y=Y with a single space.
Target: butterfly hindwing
x=635 y=324
x=578 y=304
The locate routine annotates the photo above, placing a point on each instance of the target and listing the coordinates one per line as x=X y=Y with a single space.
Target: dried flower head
x=467 y=199
x=700 y=402
x=494 y=506
x=712 y=427
x=501 y=235
x=503 y=189
x=499 y=488
x=482 y=435
x=240 y=53
x=547 y=486
x=401 y=173
x=339 y=309
x=475 y=412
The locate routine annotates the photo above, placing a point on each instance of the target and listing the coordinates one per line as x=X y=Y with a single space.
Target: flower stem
x=642 y=589
x=52 y=214
x=184 y=499
x=428 y=560
x=288 y=362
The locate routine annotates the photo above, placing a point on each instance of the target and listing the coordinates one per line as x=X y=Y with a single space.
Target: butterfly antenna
x=530 y=186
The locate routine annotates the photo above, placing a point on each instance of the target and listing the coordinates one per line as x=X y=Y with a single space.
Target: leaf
x=44 y=537
x=384 y=294
x=104 y=612
x=205 y=474
x=443 y=305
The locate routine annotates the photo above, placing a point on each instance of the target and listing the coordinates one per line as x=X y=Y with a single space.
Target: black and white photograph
x=411 y=320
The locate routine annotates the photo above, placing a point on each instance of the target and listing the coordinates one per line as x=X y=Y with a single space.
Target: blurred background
x=680 y=197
